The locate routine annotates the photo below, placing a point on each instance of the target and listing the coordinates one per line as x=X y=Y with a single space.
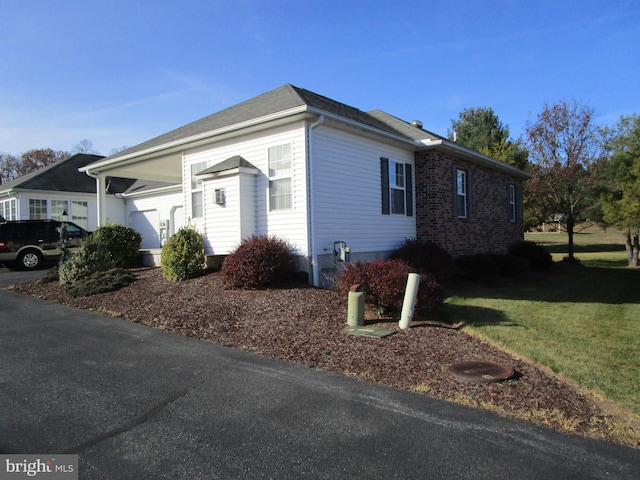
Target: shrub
x=101 y=282
x=123 y=243
x=258 y=261
x=477 y=268
x=182 y=257
x=384 y=283
x=510 y=265
x=426 y=257
x=50 y=275
x=92 y=256
x=538 y=256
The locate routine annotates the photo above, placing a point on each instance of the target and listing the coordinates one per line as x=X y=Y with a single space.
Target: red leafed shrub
x=384 y=283
x=259 y=261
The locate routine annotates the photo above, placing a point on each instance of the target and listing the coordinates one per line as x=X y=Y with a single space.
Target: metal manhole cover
x=480 y=372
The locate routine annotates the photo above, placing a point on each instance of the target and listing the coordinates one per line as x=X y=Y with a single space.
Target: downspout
x=315 y=274
x=100 y=188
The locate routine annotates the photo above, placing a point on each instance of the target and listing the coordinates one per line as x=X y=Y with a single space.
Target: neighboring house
x=335 y=182
x=60 y=187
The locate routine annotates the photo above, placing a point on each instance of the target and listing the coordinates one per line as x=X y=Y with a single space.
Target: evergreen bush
x=92 y=256
x=258 y=262
x=101 y=282
x=182 y=257
x=538 y=256
x=426 y=257
x=123 y=243
x=478 y=268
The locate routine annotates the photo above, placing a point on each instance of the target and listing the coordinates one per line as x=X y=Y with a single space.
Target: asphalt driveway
x=139 y=403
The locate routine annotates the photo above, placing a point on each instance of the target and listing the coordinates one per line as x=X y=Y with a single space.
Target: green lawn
x=580 y=320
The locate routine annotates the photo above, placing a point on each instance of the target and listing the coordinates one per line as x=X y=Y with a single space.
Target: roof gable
x=63 y=176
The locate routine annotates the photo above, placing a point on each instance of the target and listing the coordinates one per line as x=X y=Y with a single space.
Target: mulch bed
x=304 y=325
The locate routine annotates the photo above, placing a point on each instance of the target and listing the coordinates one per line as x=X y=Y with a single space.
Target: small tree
x=564 y=148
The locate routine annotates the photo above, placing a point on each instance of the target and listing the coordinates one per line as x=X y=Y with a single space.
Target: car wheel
x=30 y=260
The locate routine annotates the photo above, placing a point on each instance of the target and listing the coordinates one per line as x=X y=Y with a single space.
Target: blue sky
x=121 y=72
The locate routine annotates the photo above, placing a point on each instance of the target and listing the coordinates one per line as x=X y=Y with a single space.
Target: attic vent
x=417 y=123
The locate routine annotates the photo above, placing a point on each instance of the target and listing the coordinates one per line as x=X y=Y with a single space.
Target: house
x=337 y=183
x=60 y=187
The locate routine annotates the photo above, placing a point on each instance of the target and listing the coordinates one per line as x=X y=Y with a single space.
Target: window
x=397 y=187
x=8 y=209
x=37 y=209
x=396 y=184
x=461 y=194
x=280 y=192
x=58 y=207
x=197 y=204
x=512 y=202
x=219 y=196
x=80 y=213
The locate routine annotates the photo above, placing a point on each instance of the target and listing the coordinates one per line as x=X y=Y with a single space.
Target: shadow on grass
x=597 y=247
x=598 y=281
x=478 y=316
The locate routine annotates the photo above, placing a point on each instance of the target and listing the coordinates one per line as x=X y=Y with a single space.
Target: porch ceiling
x=163 y=169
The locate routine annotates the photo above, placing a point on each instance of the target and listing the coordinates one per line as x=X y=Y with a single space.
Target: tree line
x=580 y=171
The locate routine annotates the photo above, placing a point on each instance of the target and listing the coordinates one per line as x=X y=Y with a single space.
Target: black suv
x=27 y=243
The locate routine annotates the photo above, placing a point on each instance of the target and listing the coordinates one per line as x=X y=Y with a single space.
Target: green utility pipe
x=355 y=310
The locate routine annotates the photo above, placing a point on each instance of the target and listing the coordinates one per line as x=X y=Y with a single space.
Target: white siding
x=290 y=224
x=347 y=193
x=222 y=223
x=165 y=205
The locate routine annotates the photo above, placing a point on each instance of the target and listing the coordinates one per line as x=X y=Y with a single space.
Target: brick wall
x=487 y=228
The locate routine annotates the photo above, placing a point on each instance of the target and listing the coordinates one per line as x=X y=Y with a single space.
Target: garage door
x=147 y=224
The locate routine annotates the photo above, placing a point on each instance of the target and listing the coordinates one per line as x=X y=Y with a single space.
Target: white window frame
x=197 y=190
x=397 y=190
x=461 y=193
x=80 y=213
x=280 y=168
x=36 y=211
x=8 y=209
x=58 y=207
x=512 y=202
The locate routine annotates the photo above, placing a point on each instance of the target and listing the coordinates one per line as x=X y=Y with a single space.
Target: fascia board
x=153 y=191
x=476 y=157
x=176 y=144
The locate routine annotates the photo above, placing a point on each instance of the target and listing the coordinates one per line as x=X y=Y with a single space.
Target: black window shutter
x=384 y=176
x=408 y=188
x=469 y=195
x=456 y=212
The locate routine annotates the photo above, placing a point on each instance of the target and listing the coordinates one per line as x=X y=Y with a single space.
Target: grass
x=580 y=320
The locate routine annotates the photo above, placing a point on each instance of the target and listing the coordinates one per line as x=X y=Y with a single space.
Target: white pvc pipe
x=410 y=295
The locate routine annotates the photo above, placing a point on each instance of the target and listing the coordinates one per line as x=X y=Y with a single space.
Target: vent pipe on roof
x=417 y=124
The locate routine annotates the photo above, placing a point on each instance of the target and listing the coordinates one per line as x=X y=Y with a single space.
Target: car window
x=74 y=230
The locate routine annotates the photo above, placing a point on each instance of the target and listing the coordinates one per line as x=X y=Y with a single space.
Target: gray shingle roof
x=280 y=99
x=230 y=163
x=63 y=176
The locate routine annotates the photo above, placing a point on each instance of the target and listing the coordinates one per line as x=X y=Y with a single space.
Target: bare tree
x=9 y=167
x=84 y=146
